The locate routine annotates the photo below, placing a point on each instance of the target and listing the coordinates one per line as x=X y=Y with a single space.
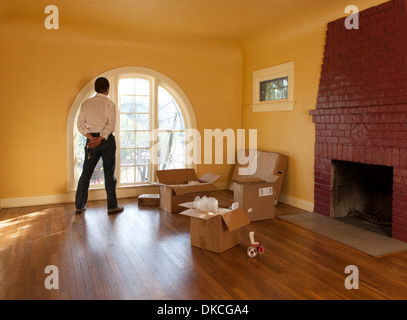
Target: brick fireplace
x=361 y=110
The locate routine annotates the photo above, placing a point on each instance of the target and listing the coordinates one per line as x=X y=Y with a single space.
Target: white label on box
x=263 y=192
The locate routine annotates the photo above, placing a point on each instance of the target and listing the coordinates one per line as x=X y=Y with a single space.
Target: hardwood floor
x=145 y=253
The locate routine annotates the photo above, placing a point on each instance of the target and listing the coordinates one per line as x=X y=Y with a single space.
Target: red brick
x=400 y=235
x=394 y=27
x=378 y=15
x=399 y=220
x=385 y=22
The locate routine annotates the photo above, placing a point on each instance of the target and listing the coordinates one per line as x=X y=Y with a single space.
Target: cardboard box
x=215 y=232
x=258 y=192
x=149 y=200
x=176 y=188
x=257 y=199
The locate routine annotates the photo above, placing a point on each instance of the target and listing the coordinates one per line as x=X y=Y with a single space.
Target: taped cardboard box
x=256 y=199
x=215 y=232
x=149 y=200
x=257 y=186
x=182 y=185
x=262 y=166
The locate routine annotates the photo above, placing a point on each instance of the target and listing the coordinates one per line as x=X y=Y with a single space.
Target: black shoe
x=78 y=211
x=115 y=210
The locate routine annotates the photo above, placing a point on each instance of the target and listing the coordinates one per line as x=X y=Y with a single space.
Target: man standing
x=97 y=122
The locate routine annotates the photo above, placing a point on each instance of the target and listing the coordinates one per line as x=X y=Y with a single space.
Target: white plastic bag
x=209 y=204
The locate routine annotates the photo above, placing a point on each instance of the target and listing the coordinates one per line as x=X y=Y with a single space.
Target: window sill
x=273 y=106
x=124 y=187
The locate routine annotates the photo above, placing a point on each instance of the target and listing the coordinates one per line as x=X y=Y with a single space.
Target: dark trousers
x=106 y=150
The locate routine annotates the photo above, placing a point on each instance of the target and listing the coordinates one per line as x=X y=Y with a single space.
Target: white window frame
x=157 y=79
x=275 y=72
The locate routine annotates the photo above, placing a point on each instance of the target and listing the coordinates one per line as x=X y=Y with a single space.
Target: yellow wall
x=43 y=71
x=289 y=132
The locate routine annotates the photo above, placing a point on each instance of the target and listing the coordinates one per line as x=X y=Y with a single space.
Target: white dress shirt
x=97 y=115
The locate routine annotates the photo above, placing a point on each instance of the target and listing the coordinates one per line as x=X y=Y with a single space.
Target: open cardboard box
x=215 y=232
x=149 y=200
x=175 y=187
x=258 y=192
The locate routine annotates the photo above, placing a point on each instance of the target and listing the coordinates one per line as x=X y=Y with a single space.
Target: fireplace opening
x=362 y=195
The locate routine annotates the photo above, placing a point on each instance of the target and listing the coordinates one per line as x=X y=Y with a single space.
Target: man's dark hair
x=101 y=85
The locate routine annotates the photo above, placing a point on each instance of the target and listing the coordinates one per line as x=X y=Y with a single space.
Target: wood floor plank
x=145 y=253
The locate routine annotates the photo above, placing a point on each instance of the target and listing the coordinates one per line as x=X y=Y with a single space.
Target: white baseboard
x=35 y=201
x=295 y=202
x=94 y=194
x=127 y=192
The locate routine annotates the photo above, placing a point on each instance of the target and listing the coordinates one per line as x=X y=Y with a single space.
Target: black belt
x=97 y=134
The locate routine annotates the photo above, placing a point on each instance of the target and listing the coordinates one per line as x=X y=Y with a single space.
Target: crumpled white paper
x=210 y=204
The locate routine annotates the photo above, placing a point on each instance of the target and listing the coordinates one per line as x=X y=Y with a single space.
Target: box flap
x=265 y=166
x=189 y=205
x=209 y=177
x=243 y=180
x=176 y=176
x=235 y=219
x=271 y=178
x=250 y=167
x=198 y=214
x=190 y=188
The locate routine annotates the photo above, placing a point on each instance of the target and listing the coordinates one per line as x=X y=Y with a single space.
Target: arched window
x=148 y=103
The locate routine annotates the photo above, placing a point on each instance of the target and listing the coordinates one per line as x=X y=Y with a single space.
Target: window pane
x=142 y=139
x=127 y=103
x=142 y=174
x=126 y=86
x=275 y=89
x=126 y=139
x=142 y=104
x=127 y=157
x=171 y=150
x=169 y=114
x=143 y=121
x=142 y=87
x=127 y=175
x=143 y=156
x=127 y=121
